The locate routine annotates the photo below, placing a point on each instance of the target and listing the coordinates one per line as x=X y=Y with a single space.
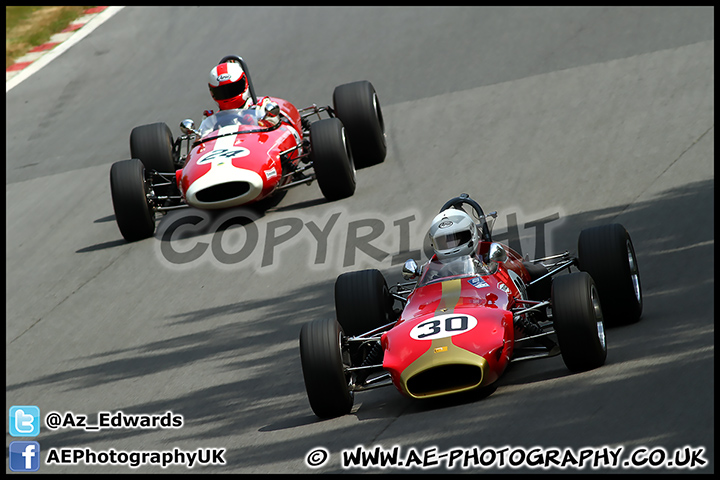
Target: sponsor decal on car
x=478 y=282
x=222 y=154
x=270 y=173
x=443 y=326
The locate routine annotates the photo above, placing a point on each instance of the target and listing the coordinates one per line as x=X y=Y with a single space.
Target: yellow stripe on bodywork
x=446 y=354
x=442 y=351
x=450 y=296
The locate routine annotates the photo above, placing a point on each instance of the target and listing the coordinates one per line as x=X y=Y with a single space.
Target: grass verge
x=29 y=27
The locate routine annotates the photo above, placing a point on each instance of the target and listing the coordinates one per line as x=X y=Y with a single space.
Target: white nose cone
x=224 y=186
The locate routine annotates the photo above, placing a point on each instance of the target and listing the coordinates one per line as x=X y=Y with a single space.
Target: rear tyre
x=324 y=361
x=362 y=301
x=357 y=105
x=153 y=145
x=578 y=321
x=133 y=213
x=540 y=290
x=607 y=254
x=332 y=159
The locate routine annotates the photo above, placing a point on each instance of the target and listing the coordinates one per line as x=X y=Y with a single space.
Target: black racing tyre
x=153 y=144
x=362 y=301
x=133 y=214
x=357 y=105
x=541 y=290
x=578 y=321
x=332 y=159
x=607 y=254
x=324 y=361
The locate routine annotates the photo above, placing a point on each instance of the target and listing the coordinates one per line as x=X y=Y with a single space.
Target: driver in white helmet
x=229 y=88
x=455 y=238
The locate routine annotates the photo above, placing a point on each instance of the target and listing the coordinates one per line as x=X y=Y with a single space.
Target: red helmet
x=228 y=86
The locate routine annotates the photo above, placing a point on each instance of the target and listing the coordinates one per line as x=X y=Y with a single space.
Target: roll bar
x=457 y=202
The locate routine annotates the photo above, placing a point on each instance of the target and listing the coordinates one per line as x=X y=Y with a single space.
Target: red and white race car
x=237 y=157
x=462 y=322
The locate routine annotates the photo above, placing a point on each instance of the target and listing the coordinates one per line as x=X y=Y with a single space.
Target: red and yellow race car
x=463 y=320
x=241 y=156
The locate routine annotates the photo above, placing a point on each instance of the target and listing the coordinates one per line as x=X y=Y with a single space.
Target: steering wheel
x=464 y=198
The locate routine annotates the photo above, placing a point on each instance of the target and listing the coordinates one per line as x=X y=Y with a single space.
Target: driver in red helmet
x=228 y=86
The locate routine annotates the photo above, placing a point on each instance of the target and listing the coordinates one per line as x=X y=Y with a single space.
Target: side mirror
x=187 y=127
x=272 y=110
x=410 y=270
x=497 y=253
x=496 y=256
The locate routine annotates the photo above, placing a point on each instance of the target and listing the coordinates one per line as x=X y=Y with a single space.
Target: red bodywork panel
x=247 y=150
x=457 y=321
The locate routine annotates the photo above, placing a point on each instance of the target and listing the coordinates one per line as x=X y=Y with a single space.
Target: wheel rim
x=597 y=311
x=634 y=273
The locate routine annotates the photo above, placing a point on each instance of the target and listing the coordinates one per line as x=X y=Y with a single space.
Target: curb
x=58 y=43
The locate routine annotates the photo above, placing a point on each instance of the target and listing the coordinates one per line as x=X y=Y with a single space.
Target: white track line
x=60 y=49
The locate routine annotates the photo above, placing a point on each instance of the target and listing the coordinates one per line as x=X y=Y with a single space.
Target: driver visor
x=230 y=90
x=452 y=240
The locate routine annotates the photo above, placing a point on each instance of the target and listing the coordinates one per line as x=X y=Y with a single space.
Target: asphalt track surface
x=564 y=117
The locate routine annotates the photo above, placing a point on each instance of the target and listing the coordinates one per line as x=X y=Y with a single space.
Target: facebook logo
x=24 y=456
x=24 y=421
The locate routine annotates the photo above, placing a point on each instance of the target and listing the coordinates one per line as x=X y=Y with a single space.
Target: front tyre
x=324 y=360
x=578 y=321
x=357 y=105
x=133 y=213
x=362 y=301
x=153 y=145
x=606 y=252
x=332 y=159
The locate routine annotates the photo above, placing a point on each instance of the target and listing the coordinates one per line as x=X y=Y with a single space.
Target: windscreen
x=231 y=118
x=464 y=266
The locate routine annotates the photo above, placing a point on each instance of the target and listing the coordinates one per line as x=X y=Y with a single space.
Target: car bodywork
x=238 y=160
x=455 y=333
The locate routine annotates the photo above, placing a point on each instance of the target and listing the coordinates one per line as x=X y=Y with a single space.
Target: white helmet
x=453 y=234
